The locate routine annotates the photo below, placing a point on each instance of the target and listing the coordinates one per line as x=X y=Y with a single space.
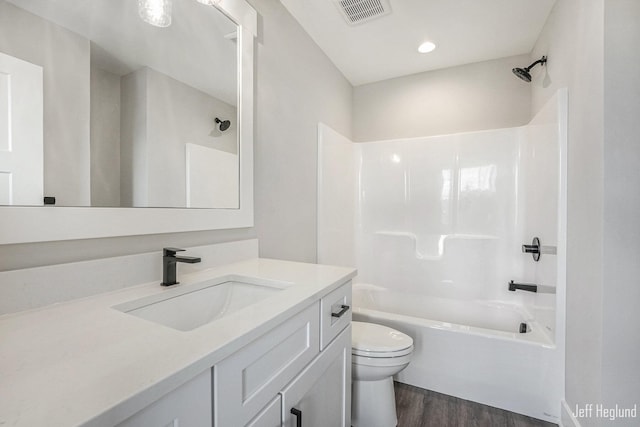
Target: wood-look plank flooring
x=417 y=407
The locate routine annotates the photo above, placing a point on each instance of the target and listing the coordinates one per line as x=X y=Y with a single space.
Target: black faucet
x=523 y=287
x=169 y=261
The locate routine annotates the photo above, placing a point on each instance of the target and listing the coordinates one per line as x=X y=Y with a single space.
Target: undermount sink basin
x=195 y=305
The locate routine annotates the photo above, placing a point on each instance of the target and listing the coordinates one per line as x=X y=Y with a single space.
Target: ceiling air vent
x=360 y=11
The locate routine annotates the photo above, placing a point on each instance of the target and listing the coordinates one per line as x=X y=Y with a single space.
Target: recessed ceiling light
x=426 y=47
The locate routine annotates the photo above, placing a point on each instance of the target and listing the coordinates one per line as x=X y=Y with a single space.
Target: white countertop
x=86 y=363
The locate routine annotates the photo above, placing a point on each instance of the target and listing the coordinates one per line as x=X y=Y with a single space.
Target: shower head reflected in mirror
x=523 y=73
x=223 y=124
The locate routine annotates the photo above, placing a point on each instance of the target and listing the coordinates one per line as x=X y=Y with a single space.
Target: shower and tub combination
x=441 y=229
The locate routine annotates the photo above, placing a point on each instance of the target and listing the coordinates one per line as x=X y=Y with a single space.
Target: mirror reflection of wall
x=125 y=102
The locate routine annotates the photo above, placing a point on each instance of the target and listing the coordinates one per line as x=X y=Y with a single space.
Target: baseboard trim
x=566 y=416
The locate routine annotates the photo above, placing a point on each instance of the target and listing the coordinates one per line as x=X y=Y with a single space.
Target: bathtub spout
x=522 y=286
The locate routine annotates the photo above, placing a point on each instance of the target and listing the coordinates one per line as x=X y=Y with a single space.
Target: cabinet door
x=270 y=416
x=321 y=394
x=187 y=406
x=246 y=381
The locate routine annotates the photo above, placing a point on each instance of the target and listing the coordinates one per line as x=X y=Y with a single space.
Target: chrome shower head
x=224 y=124
x=523 y=73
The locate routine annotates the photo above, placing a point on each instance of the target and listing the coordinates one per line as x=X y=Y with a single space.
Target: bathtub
x=471 y=349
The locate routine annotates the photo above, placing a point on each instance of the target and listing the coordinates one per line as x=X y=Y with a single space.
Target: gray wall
x=105 y=138
x=297 y=86
x=179 y=114
x=621 y=293
x=66 y=98
x=573 y=41
x=592 y=49
x=133 y=137
x=160 y=115
x=472 y=97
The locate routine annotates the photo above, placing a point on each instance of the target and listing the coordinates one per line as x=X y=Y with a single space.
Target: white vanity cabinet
x=187 y=406
x=286 y=369
x=247 y=366
x=302 y=364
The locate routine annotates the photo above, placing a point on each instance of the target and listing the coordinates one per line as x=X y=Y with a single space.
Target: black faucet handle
x=171 y=251
x=534 y=249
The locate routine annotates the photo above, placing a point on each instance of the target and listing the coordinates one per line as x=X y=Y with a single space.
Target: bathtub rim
x=537 y=337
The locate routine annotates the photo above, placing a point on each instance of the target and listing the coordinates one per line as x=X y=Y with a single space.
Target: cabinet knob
x=298 y=414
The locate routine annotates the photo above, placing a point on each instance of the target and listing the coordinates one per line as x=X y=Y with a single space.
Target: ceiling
x=465 y=31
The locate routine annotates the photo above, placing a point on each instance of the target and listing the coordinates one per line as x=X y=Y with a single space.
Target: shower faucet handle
x=533 y=249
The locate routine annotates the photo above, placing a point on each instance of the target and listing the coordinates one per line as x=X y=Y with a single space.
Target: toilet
x=377 y=354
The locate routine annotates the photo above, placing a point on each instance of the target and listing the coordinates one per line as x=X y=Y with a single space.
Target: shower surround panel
x=435 y=227
x=439 y=215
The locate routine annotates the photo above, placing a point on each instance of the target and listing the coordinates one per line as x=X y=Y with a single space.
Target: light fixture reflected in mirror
x=155 y=12
x=209 y=2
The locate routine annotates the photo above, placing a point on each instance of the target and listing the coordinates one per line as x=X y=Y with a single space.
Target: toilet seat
x=382 y=354
x=381 y=362
x=377 y=341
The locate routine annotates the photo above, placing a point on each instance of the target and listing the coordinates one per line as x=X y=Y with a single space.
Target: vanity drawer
x=335 y=313
x=246 y=381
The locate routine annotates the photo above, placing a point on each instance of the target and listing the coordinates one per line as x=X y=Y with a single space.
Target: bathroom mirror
x=126 y=115
x=134 y=115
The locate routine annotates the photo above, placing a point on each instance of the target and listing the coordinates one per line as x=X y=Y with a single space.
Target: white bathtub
x=470 y=349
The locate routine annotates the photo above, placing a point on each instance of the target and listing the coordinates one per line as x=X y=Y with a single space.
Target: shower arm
x=542 y=61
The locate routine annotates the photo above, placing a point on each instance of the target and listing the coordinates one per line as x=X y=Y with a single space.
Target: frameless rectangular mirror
x=157 y=146
x=100 y=108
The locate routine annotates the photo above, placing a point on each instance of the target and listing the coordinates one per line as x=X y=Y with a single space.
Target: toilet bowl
x=377 y=354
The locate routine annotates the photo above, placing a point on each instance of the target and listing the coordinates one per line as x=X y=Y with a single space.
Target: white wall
x=472 y=97
x=65 y=58
x=438 y=215
x=621 y=292
x=542 y=212
x=337 y=198
x=297 y=87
